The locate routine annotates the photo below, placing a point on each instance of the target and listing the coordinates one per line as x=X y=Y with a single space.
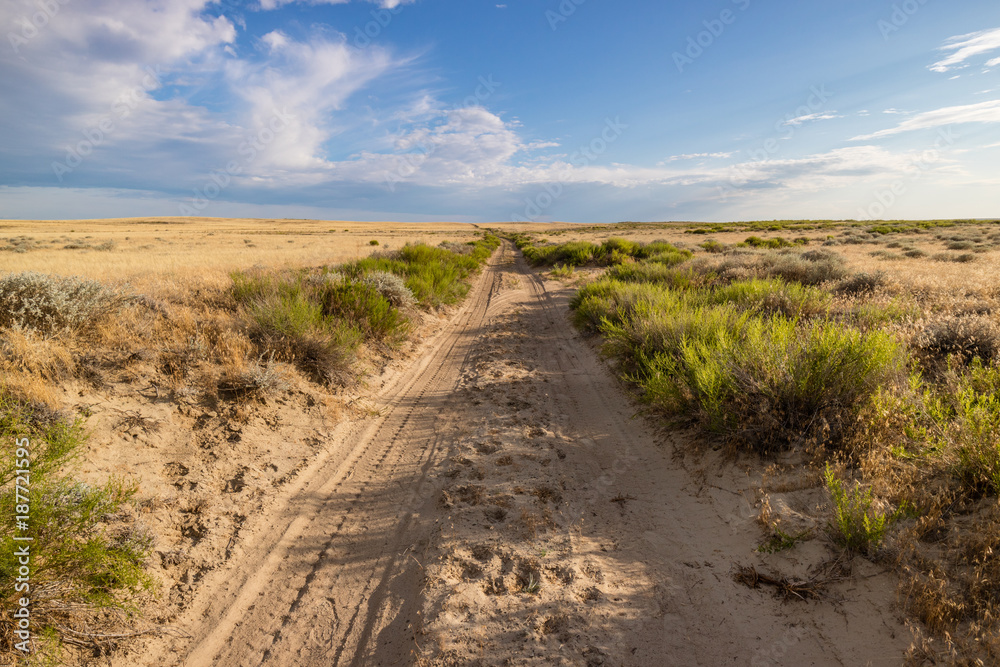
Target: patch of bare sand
x=576 y=535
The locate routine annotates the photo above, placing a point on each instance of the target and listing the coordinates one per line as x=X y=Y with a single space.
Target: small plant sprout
x=859 y=523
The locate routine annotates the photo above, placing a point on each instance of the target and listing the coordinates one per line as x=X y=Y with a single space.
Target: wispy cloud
x=811 y=118
x=698 y=156
x=984 y=112
x=965 y=47
x=277 y=4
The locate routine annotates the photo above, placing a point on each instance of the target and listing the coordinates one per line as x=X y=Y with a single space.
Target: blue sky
x=577 y=110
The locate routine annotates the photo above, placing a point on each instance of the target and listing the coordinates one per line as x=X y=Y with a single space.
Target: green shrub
x=859 y=523
x=713 y=246
x=317 y=320
x=612 y=252
x=88 y=553
x=772 y=244
x=768 y=385
x=435 y=276
x=622 y=246
x=363 y=307
x=724 y=358
x=772 y=296
x=655 y=272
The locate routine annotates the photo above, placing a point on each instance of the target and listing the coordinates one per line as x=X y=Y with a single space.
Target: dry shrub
x=50 y=304
x=966 y=337
x=393 y=287
x=811 y=268
x=862 y=284
x=260 y=377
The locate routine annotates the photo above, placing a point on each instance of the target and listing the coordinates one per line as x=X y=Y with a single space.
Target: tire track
x=336 y=559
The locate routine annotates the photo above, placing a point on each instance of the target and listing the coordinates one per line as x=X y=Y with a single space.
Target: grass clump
x=286 y=318
x=859 y=524
x=778 y=541
x=560 y=271
x=776 y=243
x=318 y=319
x=87 y=557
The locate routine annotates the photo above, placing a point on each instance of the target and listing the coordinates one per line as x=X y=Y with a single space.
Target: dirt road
x=502 y=506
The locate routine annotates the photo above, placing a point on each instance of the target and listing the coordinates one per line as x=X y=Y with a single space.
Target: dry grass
x=145 y=252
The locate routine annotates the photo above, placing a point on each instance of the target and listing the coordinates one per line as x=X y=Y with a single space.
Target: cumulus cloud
x=964 y=47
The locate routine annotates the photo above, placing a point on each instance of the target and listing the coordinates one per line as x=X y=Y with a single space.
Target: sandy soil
x=491 y=501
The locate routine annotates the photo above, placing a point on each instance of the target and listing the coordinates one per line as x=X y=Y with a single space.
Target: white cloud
x=137 y=65
x=811 y=117
x=268 y=5
x=698 y=156
x=103 y=61
x=964 y=47
x=984 y=112
x=308 y=81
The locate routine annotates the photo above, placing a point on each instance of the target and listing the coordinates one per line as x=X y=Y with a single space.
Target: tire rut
x=324 y=589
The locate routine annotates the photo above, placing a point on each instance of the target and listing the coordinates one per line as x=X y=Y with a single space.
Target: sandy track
x=629 y=550
x=324 y=577
x=361 y=562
